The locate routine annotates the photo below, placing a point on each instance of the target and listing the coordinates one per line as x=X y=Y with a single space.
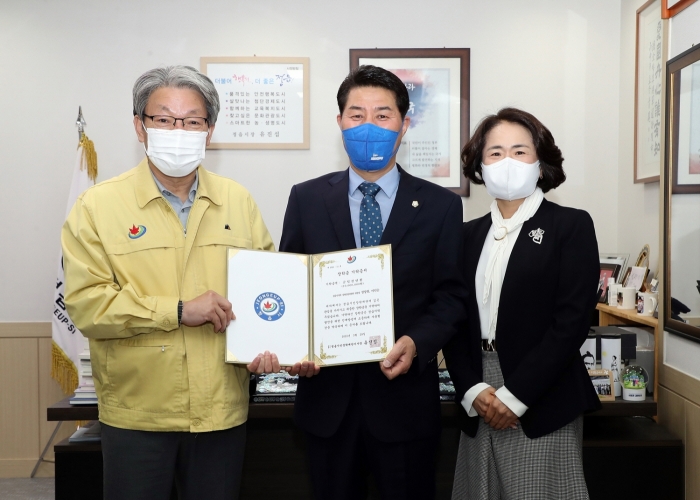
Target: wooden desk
x=63 y=410
x=275 y=448
x=609 y=315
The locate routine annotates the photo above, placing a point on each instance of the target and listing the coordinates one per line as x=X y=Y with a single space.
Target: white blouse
x=506 y=397
x=480 y=278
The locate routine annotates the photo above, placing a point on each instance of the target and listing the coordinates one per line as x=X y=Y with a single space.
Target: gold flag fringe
x=63 y=370
x=90 y=156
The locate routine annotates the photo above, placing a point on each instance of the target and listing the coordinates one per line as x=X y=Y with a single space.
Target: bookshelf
x=613 y=316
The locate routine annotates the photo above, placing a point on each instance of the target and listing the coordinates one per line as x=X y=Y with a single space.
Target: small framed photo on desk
x=602 y=381
x=635 y=277
x=607 y=271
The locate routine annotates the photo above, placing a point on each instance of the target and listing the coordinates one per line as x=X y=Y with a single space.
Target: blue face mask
x=370 y=147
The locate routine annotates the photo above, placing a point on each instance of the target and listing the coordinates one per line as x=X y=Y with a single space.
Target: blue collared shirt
x=182 y=209
x=389 y=184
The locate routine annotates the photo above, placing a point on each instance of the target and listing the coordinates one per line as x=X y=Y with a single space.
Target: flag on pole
x=68 y=342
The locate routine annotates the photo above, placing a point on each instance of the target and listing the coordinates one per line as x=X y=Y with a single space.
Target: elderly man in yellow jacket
x=144 y=258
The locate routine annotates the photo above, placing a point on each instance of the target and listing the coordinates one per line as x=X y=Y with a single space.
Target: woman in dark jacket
x=532 y=268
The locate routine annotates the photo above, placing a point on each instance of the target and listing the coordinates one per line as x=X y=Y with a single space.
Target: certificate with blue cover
x=333 y=309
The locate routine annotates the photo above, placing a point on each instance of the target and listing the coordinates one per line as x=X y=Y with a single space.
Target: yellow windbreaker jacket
x=127 y=263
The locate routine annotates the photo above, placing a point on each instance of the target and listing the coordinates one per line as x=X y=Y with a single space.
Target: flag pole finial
x=89 y=153
x=80 y=123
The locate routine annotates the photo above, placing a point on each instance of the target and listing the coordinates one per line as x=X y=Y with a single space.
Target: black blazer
x=429 y=301
x=544 y=314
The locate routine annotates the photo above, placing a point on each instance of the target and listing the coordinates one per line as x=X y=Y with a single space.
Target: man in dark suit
x=380 y=418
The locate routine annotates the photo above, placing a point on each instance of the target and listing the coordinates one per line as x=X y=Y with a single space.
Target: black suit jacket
x=429 y=301
x=544 y=315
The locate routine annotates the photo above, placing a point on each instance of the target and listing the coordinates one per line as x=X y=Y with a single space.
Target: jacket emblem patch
x=137 y=231
x=536 y=235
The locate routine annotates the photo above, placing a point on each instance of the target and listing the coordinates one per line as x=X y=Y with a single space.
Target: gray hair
x=177 y=77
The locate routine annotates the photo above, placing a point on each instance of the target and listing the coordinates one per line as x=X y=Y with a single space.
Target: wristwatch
x=179 y=313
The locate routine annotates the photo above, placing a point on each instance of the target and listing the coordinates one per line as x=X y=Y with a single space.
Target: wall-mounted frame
x=264 y=102
x=681 y=194
x=670 y=8
x=684 y=126
x=438 y=86
x=650 y=55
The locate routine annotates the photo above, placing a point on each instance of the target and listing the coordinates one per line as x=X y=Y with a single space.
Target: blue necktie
x=371 y=226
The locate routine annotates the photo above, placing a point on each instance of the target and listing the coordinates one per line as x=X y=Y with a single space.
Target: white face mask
x=510 y=179
x=176 y=153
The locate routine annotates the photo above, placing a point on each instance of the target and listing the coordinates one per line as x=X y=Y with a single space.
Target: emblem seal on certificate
x=333 y=308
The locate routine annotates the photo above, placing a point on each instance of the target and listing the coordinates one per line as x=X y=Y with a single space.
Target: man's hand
x=483 y=400
x=264 y=363
x=399 y=359
x=210 y=307
x=305 y=369
x=499 y=416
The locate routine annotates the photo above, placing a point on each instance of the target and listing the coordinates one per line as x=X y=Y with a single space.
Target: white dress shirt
x=385 y=197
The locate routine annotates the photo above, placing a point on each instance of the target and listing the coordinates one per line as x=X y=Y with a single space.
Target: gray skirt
x=507 y=465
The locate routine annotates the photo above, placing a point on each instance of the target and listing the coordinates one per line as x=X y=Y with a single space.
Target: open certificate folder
x=333 y=309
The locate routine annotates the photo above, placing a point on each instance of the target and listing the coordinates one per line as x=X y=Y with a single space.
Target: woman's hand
x=483 y=400
x=498 y=415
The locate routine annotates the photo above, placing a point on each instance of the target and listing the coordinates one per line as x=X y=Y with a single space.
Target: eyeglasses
x=192 y=123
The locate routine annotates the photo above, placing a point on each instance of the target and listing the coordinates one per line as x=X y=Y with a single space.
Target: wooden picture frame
x=643 y=257
x=675 y=272
x=683 y=99
x=264 y=102
x=668 y=12
x=636 y=277
x=649 y=89
x=438 y=85
x=603 y=384
x=626 y=276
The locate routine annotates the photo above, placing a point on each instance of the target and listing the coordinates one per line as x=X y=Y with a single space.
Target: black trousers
x=144 y=465
x=340 y=465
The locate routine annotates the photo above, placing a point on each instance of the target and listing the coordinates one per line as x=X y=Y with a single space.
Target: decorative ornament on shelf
x=634 y=380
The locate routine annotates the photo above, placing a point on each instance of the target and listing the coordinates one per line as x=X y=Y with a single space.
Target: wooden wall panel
x=692 y=454
x=25 y=330
x=49 y=393
x=671 y=409
x=19 y=404
x=681 y=383
x=26 y=390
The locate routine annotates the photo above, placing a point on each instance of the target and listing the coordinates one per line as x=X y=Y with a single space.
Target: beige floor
x=39 y=488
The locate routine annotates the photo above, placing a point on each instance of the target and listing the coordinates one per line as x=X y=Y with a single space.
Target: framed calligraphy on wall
x=670 y=8
x=264 y=102
x=649 y=92
x=437 y=81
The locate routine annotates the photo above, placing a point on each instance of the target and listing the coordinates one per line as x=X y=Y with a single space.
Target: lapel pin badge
x=414 y=204
x=536 y=235
x=136 y=232
x=227 y=227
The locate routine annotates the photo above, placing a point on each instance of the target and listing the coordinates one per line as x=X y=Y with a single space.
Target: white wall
x=637 y=204
x=559 y=60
